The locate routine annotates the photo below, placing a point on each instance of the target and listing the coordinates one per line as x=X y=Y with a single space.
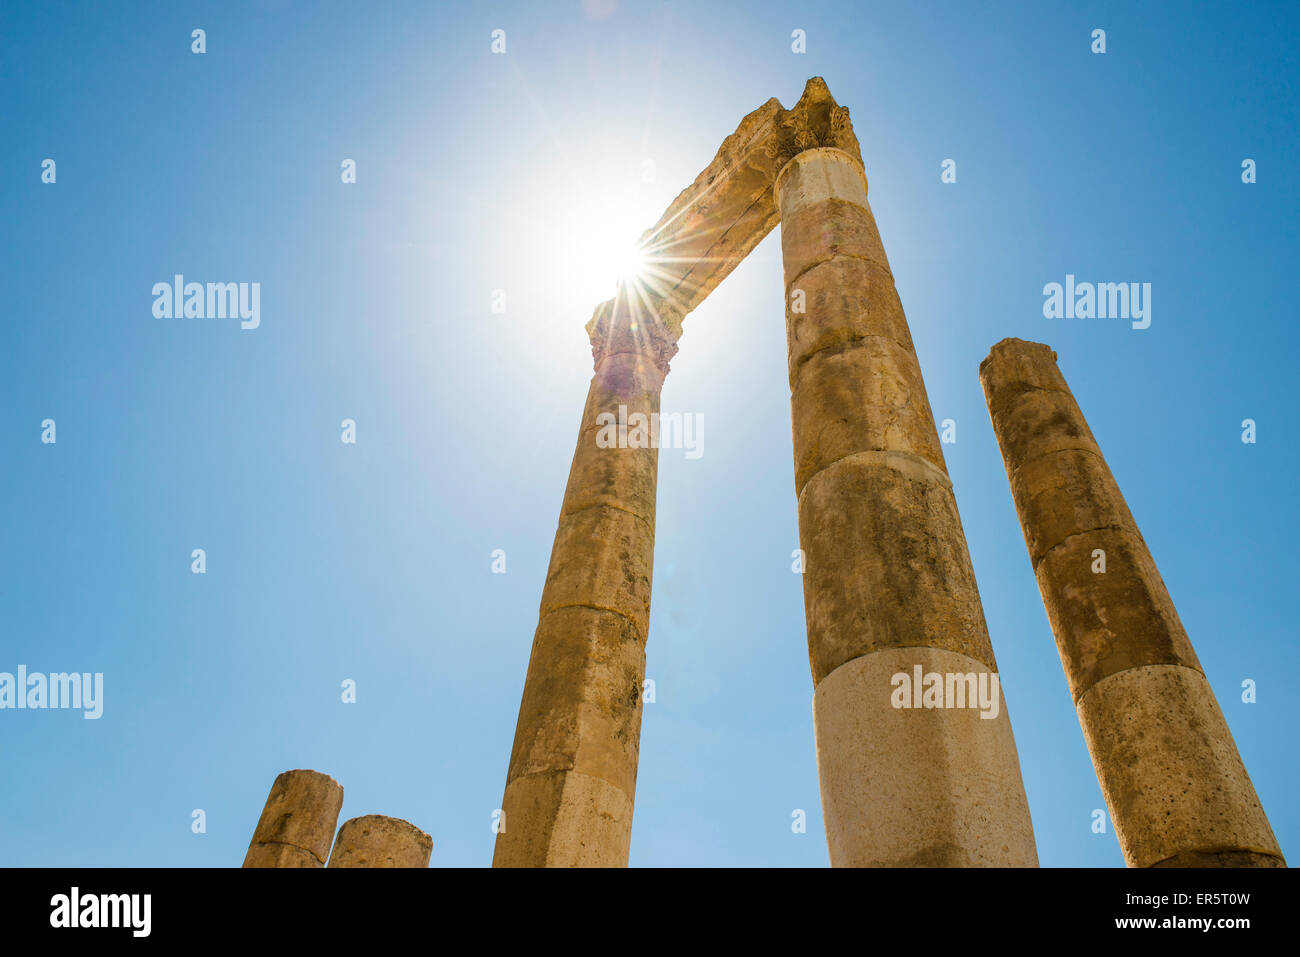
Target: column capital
x=638 y=324
x=816 y=121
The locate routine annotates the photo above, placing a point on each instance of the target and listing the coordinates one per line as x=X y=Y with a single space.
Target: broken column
x=298 y=821
x=888 y=584
x=1178 y=793
x=572 y=776
x=374 y=840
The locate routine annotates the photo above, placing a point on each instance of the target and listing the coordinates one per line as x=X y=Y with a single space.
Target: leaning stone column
x=297 y=823
x=374 y=840
x=1177 y=791
x=888 y=586
x=572 y=776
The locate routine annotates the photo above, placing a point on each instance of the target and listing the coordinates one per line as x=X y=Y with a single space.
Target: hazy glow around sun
x=599 y=245
x=630 y=264
x=584 y=233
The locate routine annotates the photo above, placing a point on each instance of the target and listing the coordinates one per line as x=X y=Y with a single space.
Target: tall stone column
x=297 y=823
x=572 y=777
x=888 y=583
x=1178 y=793
x=374 y=840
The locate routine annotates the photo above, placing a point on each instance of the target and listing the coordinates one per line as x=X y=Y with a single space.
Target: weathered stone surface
x=1016 y=366
x=603 y=557
x=887 y=571
x=575 y=748
x=1222 y=859
x=887 y=564
x=864 y=399
x=616 y=475
x=824 y=214
x=829 y=231
x=622 y=478
x=813 y=245
x=623 y=379
x=820 y=175
x=581 y=708
x=280 y=855
x=1110 y=621
x=1067 y=493
x=564 y=819
x=297 y=822
x=1170 y=772
x=374 y=840
x=843 y=301
x=908 y=787
x=1039 y=422
x=822 y=198
x=1177 y=790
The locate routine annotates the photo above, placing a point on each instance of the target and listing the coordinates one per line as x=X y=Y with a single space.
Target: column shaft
x=572 y=777
x=374 y=840
x=888 y=584
x=297 y=823
x=1177 y=790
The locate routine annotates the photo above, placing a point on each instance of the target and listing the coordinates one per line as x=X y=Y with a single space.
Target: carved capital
x=636 y=324
x=815 y=121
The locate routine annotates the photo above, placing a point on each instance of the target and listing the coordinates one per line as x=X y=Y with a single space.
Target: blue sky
x=478 y=172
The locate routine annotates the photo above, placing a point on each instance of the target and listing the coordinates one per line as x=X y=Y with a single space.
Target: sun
x=600 y=247
x=630 y=264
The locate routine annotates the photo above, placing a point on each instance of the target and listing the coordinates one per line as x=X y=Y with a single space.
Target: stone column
x=1178 y=793
x=888 y=583
x=572 y=777
x=374 y=840
x=297 y=823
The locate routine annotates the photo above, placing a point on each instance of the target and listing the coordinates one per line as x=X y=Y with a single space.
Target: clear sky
x=520 y=172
